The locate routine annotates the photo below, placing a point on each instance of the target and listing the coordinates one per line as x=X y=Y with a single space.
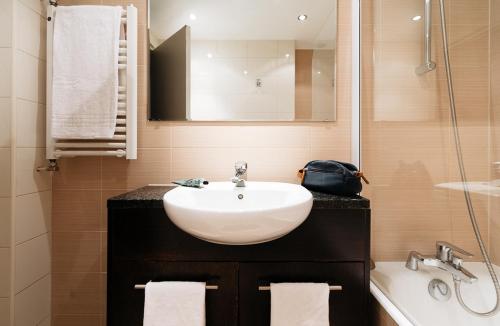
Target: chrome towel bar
x=332 y=288
x=143 y=286
x=261 y=288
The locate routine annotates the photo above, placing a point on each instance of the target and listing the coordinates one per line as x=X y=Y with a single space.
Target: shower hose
x=470 y=208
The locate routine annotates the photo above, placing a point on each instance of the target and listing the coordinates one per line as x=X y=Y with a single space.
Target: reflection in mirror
x=255 y=60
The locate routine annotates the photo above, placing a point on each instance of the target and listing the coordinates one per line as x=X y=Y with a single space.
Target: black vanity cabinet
x=332 y=246
x=125 y=304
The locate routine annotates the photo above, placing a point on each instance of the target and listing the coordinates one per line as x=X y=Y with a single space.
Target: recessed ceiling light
x=302 y=18
x=245 y=72
x=416 y=18
x=319 y=72
x=287 y=55
x=209 y=55
x=192 y=16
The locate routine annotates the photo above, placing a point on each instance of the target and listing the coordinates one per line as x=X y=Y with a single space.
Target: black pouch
x=332 y=177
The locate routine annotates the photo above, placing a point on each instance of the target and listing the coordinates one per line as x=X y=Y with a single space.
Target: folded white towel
x=85 y=71
x=174 y=304
x=299 y=304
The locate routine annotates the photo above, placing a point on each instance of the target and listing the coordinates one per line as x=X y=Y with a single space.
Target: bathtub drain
x=439 y=290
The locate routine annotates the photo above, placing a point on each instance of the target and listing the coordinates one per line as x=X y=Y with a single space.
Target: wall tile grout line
x=34 y=282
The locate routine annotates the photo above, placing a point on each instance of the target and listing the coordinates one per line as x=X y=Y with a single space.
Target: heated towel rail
x=124 y=141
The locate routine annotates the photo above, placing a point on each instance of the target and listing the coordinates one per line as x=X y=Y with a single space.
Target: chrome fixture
x=439 y=290
x=331 y=287
x=260 y=288
x=428 y=64
x=240 y=175
x=258 y=82
x=496 y=166
x=446 y=259
x=51 y=167
x=463 y=177
x=143 y=286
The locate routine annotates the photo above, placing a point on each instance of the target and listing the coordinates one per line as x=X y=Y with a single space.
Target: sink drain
x=240 y=196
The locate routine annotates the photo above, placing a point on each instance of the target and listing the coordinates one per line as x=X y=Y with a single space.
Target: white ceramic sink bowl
x=215 y=213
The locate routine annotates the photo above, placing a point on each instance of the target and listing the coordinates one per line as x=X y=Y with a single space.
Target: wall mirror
x=239 y=60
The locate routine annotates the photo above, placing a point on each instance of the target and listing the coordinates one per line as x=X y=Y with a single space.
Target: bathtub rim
x=396 y=309
x=396 y=314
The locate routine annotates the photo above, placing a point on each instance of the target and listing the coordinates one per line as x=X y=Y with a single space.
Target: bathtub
x=403 y=294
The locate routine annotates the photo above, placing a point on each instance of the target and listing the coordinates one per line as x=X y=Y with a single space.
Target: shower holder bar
x=428 y=64
x=425 y=67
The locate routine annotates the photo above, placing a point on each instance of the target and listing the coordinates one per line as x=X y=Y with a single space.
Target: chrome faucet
x=240 y=175
x=445 y=259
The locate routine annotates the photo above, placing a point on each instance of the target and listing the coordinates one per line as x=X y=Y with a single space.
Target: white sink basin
x=215 y=213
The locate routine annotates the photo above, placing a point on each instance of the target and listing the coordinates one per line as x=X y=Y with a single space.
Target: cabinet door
x=126 y=304
x=347 y=307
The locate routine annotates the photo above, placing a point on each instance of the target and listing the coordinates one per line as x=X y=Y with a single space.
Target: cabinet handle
x=332 y=288
x=143 y=286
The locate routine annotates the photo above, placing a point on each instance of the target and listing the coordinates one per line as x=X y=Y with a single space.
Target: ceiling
x=248 y=20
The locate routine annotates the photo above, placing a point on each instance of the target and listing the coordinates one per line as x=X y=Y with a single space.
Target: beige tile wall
x=25 y=196
x=495 y=103
x=407 y=136
x=170 y=151
x=33 y=195
x=6 y=300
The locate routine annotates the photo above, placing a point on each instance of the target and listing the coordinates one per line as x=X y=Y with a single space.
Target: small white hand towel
x=174 y=304
x=299 y=304
x=85 y=71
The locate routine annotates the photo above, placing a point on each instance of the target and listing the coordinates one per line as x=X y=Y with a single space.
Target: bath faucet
x=240 y=175
x=445 y=259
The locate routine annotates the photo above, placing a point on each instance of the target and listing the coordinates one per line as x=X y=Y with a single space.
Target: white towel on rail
x=174 y=304
x=299 y=304
x=85 y=71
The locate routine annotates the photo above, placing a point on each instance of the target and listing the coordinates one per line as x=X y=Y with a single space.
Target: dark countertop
x=152 y=197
